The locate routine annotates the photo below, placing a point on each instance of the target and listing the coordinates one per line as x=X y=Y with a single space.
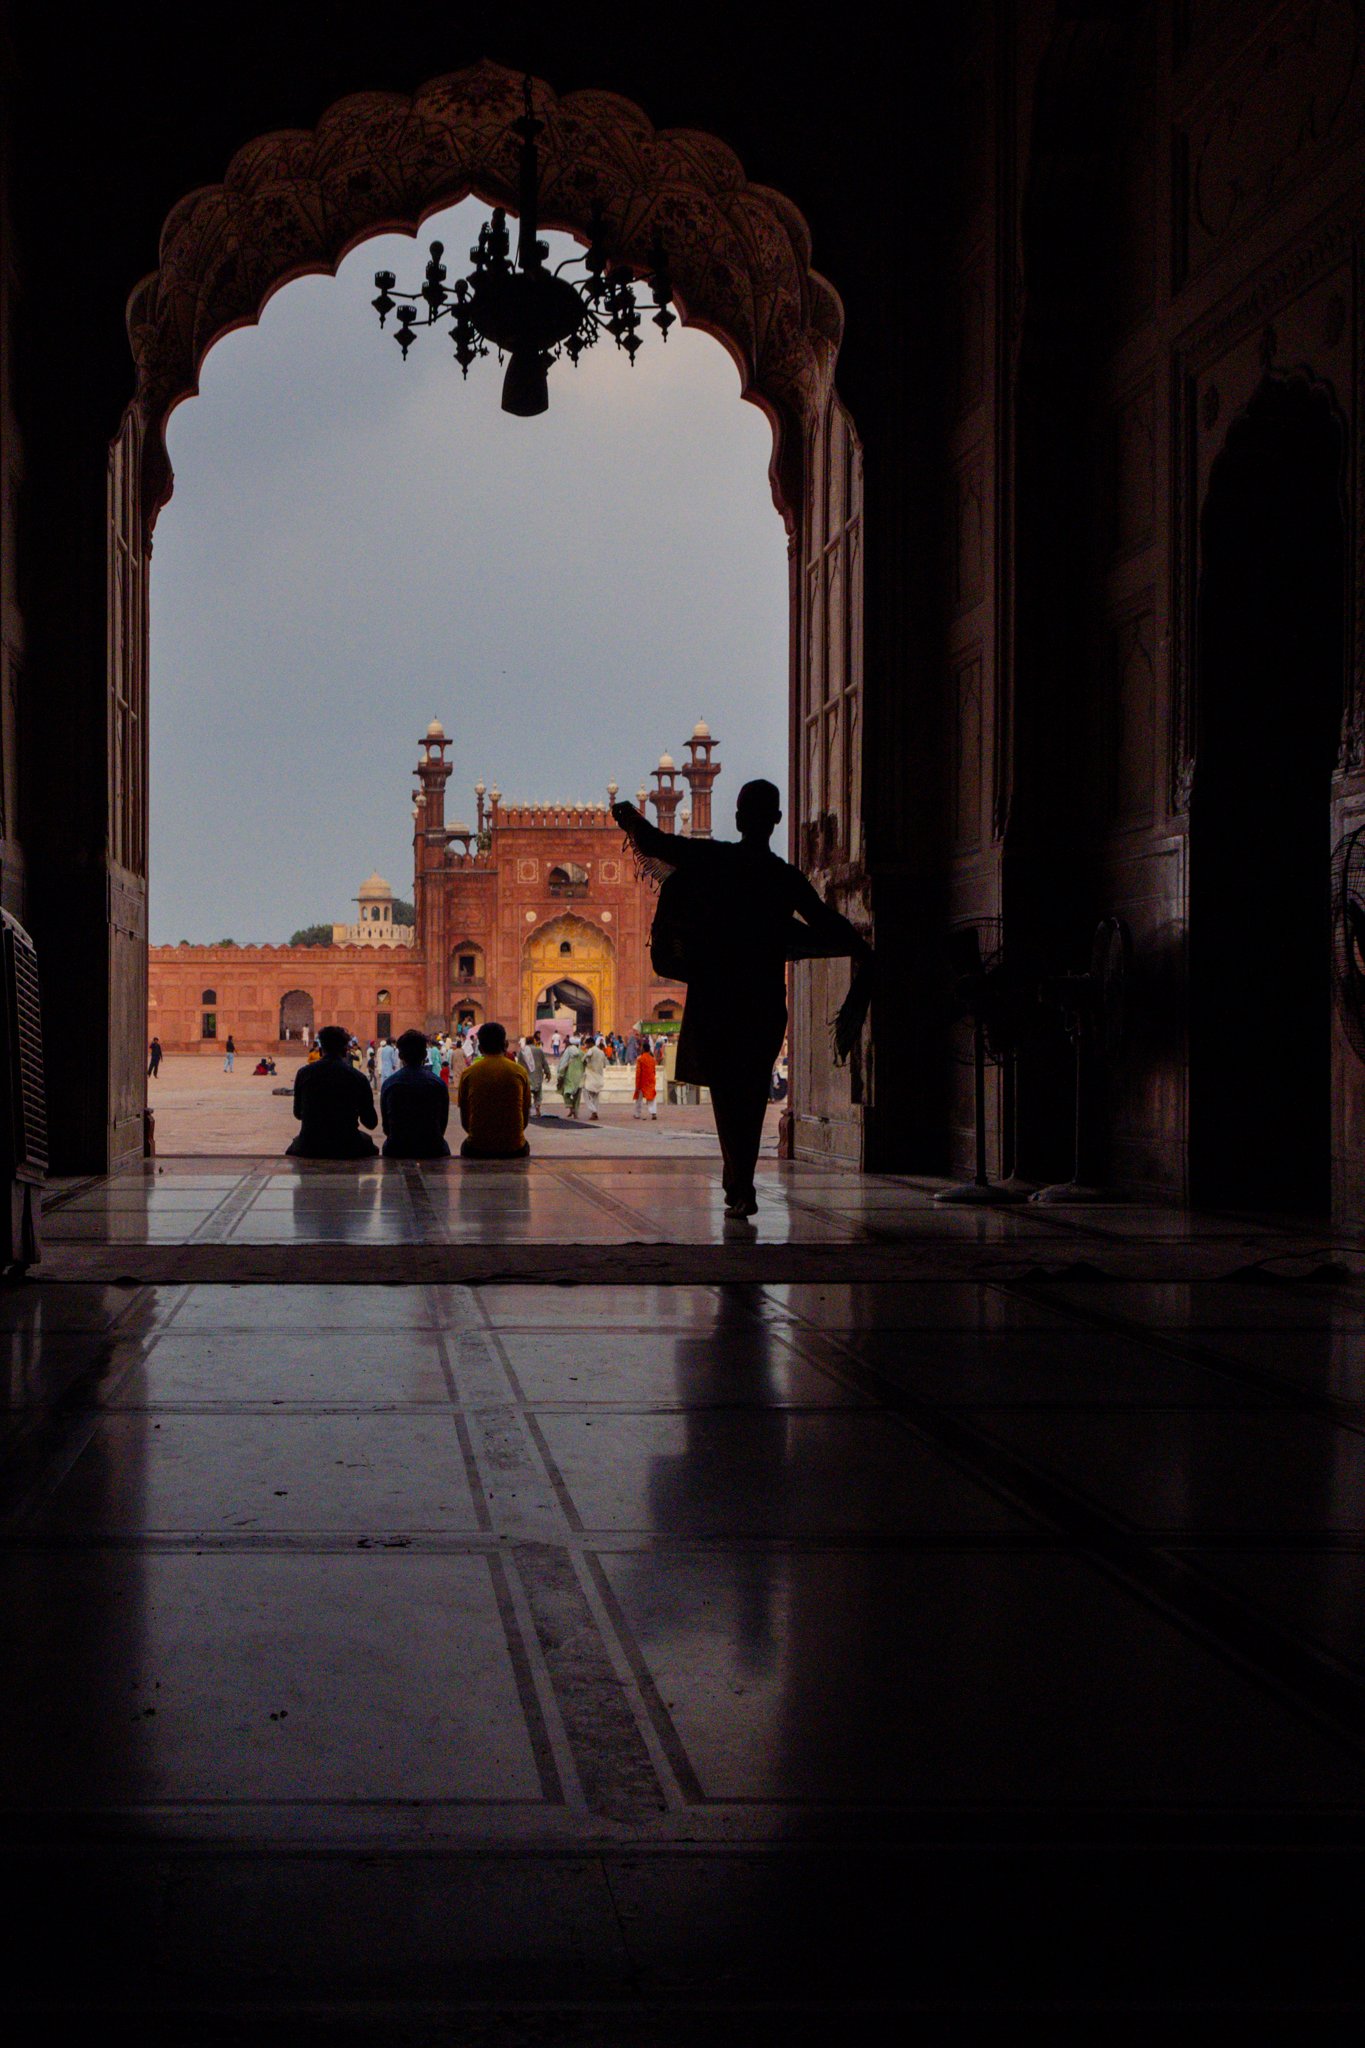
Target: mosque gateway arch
x=739 y=255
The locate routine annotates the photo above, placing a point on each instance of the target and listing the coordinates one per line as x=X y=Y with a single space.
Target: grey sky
x=357 y=544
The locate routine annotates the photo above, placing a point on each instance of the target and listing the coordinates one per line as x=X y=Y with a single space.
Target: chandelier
x=528 y=313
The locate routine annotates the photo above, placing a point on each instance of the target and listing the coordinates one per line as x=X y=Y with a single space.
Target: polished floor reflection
x=605 y=1657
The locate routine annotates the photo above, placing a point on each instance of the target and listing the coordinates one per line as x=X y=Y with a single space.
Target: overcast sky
x=357 y=544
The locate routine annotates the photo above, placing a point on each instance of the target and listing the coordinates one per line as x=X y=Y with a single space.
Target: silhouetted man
x=733 y=943
x=330 y=1100
x=414 y=1106
x=495 y=1101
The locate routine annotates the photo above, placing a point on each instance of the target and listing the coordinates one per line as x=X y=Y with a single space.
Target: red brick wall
x=250 y=981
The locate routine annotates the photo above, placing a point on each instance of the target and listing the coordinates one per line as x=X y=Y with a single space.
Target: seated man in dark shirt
x=414 y=1105
x=330 y=1100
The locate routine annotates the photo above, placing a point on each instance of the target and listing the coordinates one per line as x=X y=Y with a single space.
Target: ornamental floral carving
x=297 y=202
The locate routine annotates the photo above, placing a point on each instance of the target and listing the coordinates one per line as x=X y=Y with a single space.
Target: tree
x=312 y=935
x=403 y=911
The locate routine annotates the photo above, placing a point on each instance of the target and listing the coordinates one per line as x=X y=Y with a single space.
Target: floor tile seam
x=447 y=1369
x=1134 y=1560
x=562 y=1494
x=474 y=1479
x=571 y=1796
x=553 y=1760
x=819 y=1214
x=661 y=1720
x=623 y=1659
x=613 y=1541
x=285 y=1411
x=1328 y=1543
x=984 y=1829
x=82 y=1184
x=509 y=1370
x=55 y=1443
x=420 y=1205
x=1347 y=1669
x=375 y=1540
x=302 y=1802
x=1191 y=1352
x=626 y=1407
x=225 y=1214
x=612 y=1207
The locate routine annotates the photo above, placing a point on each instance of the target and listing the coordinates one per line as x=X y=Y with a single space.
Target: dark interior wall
x=1175 y=199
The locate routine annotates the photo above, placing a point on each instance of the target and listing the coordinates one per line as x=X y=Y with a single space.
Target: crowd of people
x=407 y=1088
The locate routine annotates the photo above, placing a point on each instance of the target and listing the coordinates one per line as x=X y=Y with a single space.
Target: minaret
x=433 y=773
x=667 y=794
x=700 y=771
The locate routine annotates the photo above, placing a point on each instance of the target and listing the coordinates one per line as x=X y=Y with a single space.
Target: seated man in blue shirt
x=330 y=1101
x=414 y=1104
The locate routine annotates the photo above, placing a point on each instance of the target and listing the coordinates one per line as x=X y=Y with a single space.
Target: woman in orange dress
x=646 y=1083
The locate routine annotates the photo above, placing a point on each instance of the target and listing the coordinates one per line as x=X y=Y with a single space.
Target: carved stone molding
x=1216 y=367
x=296 y=202
x=1298 y=90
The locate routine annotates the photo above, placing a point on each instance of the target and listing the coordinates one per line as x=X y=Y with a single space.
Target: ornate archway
x=568 y=949
x=295 y=203
x=298 y=201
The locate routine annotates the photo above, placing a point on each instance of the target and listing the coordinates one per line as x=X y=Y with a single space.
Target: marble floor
x=898 y=1614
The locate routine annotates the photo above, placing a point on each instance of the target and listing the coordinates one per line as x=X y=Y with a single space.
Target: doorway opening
x=745 y=282
x=296 y=1017
x=563 y=1000
x=1270 y=672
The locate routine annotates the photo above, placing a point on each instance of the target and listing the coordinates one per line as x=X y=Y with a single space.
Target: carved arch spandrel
x=298 y=201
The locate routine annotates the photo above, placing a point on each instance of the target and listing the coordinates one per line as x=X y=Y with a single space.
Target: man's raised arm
x=669 y=847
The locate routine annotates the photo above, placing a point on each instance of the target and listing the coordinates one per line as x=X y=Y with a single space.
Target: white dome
x=701 y=730
x=666 y=761
x=376 y=886
x=436 y=731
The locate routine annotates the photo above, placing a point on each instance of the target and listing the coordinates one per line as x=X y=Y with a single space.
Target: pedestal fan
x=1094 y=1012
x=990 y=998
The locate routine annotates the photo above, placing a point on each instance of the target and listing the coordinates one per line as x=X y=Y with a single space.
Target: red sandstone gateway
x=534 y=912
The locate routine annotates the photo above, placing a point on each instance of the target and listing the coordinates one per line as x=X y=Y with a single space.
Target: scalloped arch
x=296 y=202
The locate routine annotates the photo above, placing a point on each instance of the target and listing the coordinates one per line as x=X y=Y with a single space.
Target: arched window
x=565 y=947
x=208 y=995
x=466 y=962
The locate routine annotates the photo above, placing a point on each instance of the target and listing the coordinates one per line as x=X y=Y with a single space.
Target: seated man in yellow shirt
x=495 y=1101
